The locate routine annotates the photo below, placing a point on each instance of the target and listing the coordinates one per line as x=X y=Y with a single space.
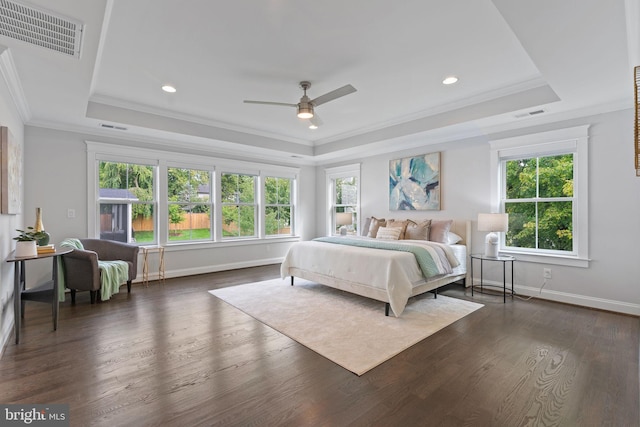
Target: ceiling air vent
x=530 y=113
x=108 y=126
x=40 y=27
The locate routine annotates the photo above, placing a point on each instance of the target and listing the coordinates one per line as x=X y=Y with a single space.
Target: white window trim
x=574 y=140
x=163 y=159
x=258 y=197
x=164 y=175
x=263 y=229
x=93 y=225
x=340 y=172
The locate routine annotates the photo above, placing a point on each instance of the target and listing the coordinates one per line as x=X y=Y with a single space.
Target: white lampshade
x=492 y=222
x=344 y=218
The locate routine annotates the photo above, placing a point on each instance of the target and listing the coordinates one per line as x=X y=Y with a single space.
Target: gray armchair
x=81 y=266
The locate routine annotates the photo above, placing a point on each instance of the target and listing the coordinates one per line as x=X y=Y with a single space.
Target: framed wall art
x=414 y=183
x=10 y=173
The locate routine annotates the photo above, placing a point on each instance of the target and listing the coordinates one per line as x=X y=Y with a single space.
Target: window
x=345 y=200
x=238 y=200
x=343 y=186
x=539 y=200
x=126 y=201
x=152 y=197
x=542 y=184
x=189 y=204
x=278 y=207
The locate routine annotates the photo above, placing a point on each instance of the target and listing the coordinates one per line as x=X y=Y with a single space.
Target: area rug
x=347 y=329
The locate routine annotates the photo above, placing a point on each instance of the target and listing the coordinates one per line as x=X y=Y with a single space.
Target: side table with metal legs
x=501 y=258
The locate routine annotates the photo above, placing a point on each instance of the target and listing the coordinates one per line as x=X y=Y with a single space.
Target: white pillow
x=389 y=233
x=453 y=238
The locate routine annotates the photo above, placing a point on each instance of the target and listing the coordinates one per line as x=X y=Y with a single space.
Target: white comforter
x=396 y=272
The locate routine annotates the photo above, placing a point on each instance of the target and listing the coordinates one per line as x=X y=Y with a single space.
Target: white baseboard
x=551 y=295
x=574 y=299
x=154 y=275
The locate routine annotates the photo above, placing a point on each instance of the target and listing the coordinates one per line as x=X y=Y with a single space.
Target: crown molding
x=10 y=75
x=213 y=124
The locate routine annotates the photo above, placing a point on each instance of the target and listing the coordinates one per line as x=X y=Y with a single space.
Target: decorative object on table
x=46 y=249
x=343 y=219
x=26 y=245
x=10 y=173
x=414 y=183
x=42 y=236
x=493 y=223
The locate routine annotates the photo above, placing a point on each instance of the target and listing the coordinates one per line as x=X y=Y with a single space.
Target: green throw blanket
x=428 y=265
x=112 y=273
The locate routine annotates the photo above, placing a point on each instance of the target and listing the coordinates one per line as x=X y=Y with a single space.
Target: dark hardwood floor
x=175 y=355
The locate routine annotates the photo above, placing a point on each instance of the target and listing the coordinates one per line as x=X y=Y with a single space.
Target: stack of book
x=46 y=249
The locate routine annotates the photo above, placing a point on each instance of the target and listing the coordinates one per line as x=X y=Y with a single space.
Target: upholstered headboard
x=462 y=228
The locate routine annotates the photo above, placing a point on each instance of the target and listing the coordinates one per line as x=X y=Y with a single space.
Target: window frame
x=98 y=151
x=563 y=141
x=291 y=205
x=331 y=175
x=211 y=203
x=95 y=201
x=255 y=204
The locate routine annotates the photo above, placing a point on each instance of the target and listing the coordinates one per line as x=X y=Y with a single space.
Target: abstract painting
x=10 y=173
x=414 y=183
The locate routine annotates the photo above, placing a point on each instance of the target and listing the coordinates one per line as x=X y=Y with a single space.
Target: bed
x=389 y=276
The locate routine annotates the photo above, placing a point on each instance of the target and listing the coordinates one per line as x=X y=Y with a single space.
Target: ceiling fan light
x=305 y=110
x=450 y=80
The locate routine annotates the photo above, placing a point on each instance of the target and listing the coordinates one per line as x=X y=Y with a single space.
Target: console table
x=45 y=292
x=146 y=250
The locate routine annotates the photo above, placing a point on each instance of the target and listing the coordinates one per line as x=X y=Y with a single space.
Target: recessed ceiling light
x=450 y=80
x=169 y=88
x=312 y=126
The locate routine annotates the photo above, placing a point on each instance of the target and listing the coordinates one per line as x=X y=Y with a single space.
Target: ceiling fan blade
x=271 y=103
x=334 y=94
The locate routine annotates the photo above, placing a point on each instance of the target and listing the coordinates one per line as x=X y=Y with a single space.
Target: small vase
x=26 y=249
x=39 y=228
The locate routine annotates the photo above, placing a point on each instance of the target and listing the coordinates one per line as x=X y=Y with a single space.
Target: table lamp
x=343 y=219
x=493 y=223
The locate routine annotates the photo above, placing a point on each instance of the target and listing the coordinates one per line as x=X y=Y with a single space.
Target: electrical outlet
x=71 y=213
x=547 y=273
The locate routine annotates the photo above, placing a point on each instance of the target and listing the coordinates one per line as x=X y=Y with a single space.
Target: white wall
x=10 y=118
x=55 y=180
x=611 y=280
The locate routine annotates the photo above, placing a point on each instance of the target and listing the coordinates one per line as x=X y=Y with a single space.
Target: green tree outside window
x=238 y=205
x=278 y=206
x=539 y=200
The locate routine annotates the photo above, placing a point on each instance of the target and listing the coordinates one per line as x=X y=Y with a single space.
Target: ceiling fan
x=306 y=106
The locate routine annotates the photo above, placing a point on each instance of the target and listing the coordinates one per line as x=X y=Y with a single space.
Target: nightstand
x=504 y=259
